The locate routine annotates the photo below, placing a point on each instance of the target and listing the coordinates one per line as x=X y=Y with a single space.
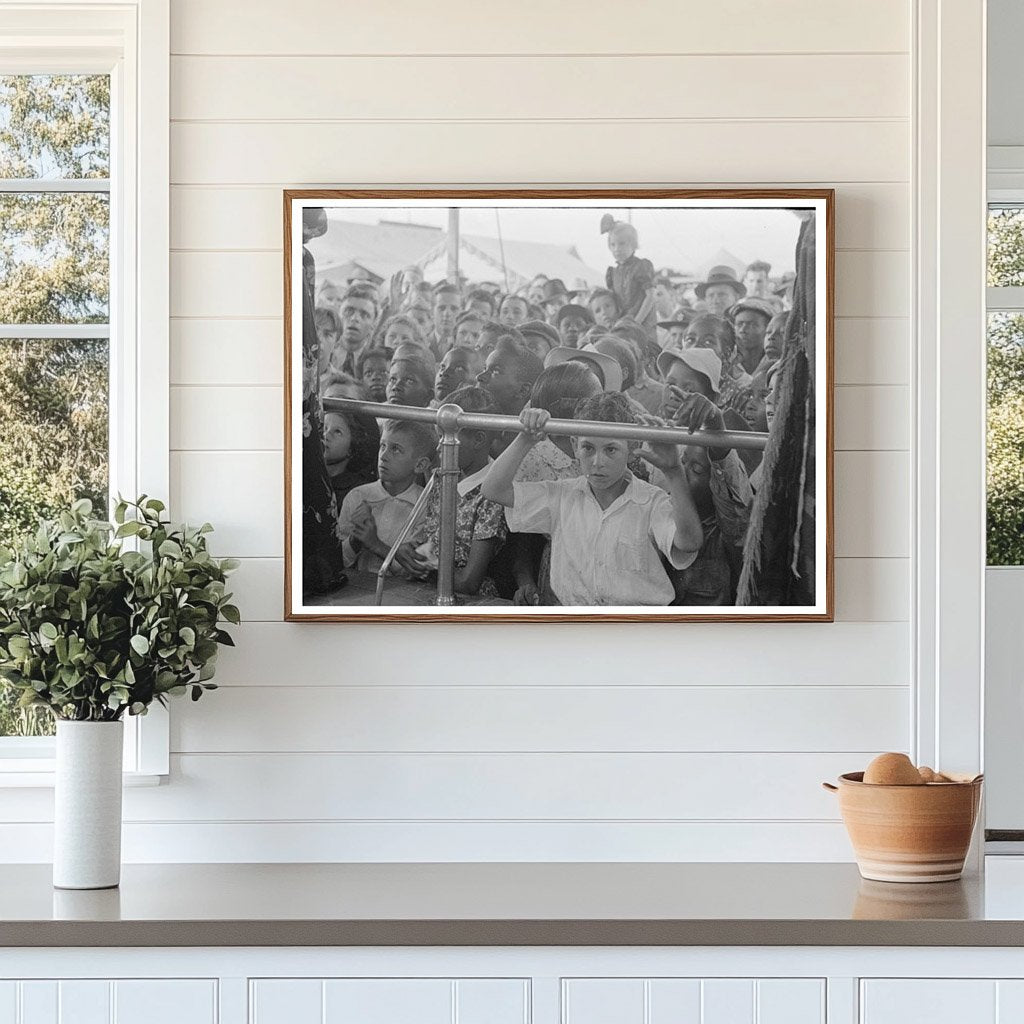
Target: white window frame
x=1003 y=712
x=949 y=442
x=130 y=41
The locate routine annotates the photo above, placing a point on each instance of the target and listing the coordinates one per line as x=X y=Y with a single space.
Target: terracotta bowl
x=909 y=833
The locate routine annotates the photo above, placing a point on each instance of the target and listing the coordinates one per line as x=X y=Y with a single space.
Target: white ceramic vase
x=87 y=805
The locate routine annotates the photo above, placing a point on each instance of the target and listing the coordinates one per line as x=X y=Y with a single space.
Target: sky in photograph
x=682 y=239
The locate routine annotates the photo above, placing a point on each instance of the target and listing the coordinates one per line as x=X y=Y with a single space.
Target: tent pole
x=453 y=244
x=501 y=249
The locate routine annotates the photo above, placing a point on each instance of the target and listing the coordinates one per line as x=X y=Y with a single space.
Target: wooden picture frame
x=809 y=353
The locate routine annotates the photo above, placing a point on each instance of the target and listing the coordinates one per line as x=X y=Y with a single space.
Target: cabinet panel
x=389 y=1001
x=693 y=1001
x=38 y=1002
x=165 y=1002
x=727 y=1001
x=1009 y=1002
x=928 y=1001
x=492 y=1001
x=603 y=1001
x=84 y=1002
x=790 y=1001
x=285 y=1001
x=8 y=1002
x=674 y=1000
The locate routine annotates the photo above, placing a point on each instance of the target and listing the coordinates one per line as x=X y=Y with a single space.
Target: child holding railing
x=608 y=528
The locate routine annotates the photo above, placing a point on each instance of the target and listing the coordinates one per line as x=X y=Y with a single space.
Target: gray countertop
x=517 y=904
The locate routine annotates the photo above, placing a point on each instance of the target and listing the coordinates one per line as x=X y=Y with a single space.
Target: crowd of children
x=549 y=520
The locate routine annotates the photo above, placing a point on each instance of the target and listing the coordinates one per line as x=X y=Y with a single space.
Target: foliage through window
x=54 y=308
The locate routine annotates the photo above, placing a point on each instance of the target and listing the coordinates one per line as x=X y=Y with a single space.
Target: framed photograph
x=558 y=405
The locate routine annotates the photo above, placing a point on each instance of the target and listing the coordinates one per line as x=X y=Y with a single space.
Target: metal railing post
x=448 y=428
x=414 y=515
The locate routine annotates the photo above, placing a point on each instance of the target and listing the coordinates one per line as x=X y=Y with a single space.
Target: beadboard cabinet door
x=942 y=1001
x=388 y=1001
x=693 y=1001
x=102 y=1001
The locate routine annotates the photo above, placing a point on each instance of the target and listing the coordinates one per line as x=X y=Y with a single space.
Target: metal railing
x=450 y=419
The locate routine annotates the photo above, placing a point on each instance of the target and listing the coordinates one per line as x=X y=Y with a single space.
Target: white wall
x=658 y=741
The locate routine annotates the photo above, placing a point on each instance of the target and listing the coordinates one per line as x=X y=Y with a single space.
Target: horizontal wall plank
x=872 y=350
x=872 y=504
x=258 y=585
x=872 y=589
x=585 y=654
x=368 y=88
x=868 y=216
x=227 y=352
x=376 y=787
x=241 y=494
x=236 y=418
x=869 y=418
x=235 y=284
x=244 y=284
x=867 y=589
x=488 y=719
x=534 y=26
x=872 y=283
x=251 y=418
x=452 y=842
x=576 y=152
x=868 y=350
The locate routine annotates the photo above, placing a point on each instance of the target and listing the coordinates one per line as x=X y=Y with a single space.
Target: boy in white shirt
x=608 y=528
x=372 y=515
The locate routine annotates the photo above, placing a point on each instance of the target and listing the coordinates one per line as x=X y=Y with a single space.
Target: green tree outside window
x=54 y=270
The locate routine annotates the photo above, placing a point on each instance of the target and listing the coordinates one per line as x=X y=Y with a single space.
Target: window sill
x=37 y=777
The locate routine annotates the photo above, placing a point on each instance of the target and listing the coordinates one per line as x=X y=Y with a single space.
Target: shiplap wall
x=659 y=741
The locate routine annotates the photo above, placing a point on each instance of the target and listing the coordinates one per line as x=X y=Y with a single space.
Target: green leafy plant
x=91 y=630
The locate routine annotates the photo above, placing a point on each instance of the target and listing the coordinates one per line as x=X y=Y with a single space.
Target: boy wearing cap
x=540 y=337
x=572 y=321
x=609 y=530
x=750 y=318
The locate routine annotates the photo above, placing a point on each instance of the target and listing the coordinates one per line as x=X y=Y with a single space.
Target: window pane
x=1005 y=483
x=1005 y=246
x=54 y=257
x=53 y=429
x=53 y=449
x=54 y=126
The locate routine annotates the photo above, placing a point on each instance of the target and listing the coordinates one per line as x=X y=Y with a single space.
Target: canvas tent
x=349 y=249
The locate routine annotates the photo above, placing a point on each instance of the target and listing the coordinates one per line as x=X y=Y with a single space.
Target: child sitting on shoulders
x=480 y=528
x=632 y=278
x=374 y=514
x=608 y=529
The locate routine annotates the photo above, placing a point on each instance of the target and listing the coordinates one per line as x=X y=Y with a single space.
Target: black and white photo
x=559 y=405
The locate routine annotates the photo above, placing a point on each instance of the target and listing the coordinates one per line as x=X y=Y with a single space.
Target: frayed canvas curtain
x=778 y=557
